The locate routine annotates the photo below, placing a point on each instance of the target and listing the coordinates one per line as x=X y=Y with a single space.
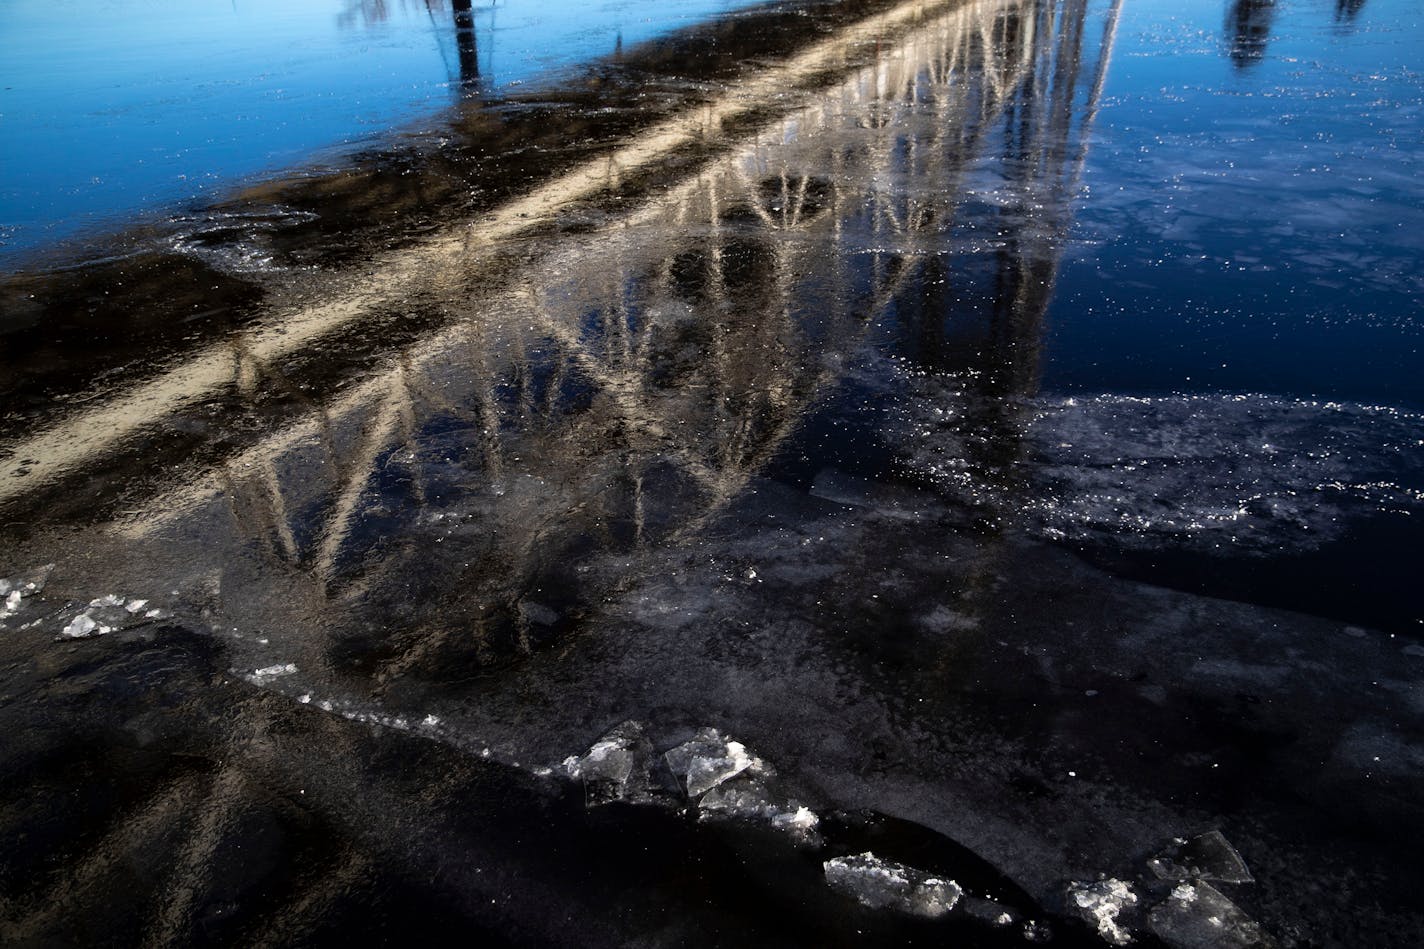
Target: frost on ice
x=881 y=884
x=1101 y=903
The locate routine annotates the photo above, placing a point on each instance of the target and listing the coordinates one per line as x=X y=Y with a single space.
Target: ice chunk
x=15 y=590
x=881 y=884
x=1207 y=856
x=1100 y=903
x=750 y=799
x=1197 y=916
x=709 y=759
x=268 y=673
x=616 y=767
x=83 y=626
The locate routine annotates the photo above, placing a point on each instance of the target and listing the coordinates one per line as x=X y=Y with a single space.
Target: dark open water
x=1000 y=421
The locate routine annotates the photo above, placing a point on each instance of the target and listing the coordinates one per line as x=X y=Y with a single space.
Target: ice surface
x=1208 y=856
x=1101 y=903
x=881 y=884
x=83 y=626
x=708 y=759
x=1254 y=472
x=1198 y=916
x=616 y=767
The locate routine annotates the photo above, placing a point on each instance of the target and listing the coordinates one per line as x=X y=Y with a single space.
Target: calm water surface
x=113 y=108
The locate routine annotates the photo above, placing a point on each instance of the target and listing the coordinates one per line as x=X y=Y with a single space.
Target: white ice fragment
x=615 y=768
x=135 y=605
x=882 y=884
x=748 y=798
x=708 y=759
x=109 y=600
x=82 y=627
x=1100 y=903
x=429 y=721
x=268 y=673
x=12 y=603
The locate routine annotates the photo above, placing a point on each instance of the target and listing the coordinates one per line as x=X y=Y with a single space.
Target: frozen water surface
x=820 y=473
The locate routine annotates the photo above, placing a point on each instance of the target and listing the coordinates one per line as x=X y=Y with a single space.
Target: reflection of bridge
x=640 y=374
x=631 y=384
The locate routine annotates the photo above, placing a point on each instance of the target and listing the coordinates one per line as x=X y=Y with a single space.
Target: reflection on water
x=640 y=375
x=734 y=414
x=192 y=98
x=1248 y=27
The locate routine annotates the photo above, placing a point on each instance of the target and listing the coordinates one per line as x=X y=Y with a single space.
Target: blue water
x=1253 y=219
x=109 y=109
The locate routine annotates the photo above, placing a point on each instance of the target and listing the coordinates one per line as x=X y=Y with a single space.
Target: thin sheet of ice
x=1198 y=916
x=1249 y=472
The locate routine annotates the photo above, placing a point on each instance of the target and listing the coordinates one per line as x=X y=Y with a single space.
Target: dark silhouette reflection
x=465 y=42
x=1248 y=28
x=1346 y=11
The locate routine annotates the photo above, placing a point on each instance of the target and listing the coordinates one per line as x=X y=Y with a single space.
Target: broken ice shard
x=881 y=884
x=1208 y=856
x=750 y=799
x=1198 y=916
x=107 y=614
x=616 y=767
x=708 y=759
x=15 y=590
x=1101 y=903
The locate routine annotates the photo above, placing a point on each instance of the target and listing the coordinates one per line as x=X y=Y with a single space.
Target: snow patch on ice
x=882 y=884
x=1100 y=903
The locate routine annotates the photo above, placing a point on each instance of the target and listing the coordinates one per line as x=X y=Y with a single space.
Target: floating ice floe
x=1198 y=916
x=752 y=800
x=717 y=775
x=616 y=767
x=1208 y=856
x=881 y=884
x=708 y=759
x=1101 y=903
